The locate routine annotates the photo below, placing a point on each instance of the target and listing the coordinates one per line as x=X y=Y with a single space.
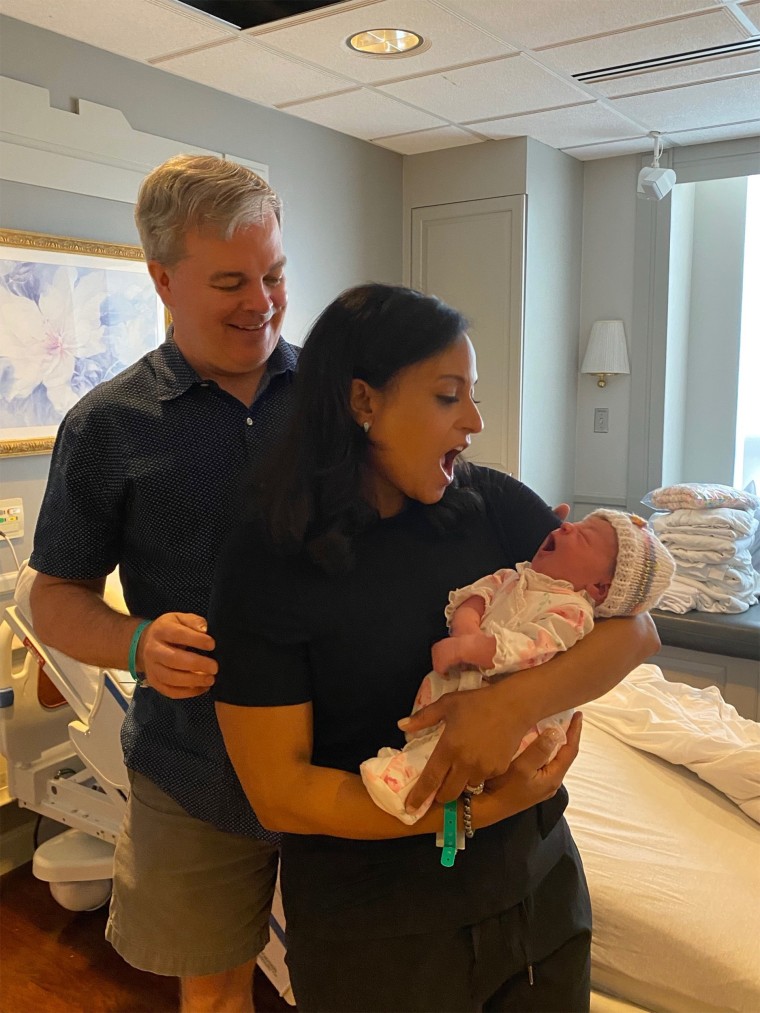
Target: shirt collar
x=175 y=375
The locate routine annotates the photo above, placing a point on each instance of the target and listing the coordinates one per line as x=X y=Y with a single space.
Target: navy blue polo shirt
x=146 y=474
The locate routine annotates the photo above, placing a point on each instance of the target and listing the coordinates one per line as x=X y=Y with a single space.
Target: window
x=747 y=455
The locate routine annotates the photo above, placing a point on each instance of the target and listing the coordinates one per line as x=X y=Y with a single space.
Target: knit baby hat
x=644 y=567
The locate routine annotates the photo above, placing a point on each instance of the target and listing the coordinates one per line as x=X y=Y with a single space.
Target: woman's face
x=423 y=419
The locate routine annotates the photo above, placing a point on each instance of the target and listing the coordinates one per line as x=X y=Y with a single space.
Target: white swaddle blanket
x=718 y=519
x=692 y=727
x=711 y=548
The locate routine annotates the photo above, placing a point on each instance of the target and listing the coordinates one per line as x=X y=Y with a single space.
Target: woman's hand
x=530 y=779
x=480 y=737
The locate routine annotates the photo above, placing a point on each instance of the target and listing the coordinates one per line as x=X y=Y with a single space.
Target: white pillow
x=700 y=496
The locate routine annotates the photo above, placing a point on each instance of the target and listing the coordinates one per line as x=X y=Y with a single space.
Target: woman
x=327 y=603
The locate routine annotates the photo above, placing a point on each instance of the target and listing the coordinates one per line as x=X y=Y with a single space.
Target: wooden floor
x=58 y=961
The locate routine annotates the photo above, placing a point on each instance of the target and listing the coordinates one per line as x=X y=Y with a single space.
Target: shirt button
x=204 y=384
x=249 y=421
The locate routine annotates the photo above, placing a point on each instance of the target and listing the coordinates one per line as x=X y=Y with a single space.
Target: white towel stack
x=711 y=545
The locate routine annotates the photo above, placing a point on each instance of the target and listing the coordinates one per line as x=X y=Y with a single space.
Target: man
x=144 y=476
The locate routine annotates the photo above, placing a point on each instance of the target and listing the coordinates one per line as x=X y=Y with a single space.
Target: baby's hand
x=445 y=654
x=473 y=649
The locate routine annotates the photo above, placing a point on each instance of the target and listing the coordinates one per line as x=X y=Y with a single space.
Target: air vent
x=751 y=45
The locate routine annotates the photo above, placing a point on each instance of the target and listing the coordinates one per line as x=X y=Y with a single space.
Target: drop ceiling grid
x=120 y=27
x=321 y=41
x=706 y=135
x=594 y=122
x=685 y=35
x=752 y=10
x=428 y=140
x=507 y=86
x=711 y=103
x=366 y=113
x=688 y=73
x=556 y=22
x=244 y=68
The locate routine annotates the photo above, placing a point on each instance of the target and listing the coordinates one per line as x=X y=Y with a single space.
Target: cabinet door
x=470 y=254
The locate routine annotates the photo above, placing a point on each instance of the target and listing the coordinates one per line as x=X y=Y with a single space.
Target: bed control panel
x=12 y=517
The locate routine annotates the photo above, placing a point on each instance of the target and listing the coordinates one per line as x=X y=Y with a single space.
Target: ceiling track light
x=655 y=183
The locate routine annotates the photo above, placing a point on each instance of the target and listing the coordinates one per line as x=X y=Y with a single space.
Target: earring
x=365 y=426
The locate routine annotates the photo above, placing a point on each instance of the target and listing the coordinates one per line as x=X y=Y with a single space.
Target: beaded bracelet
x=133 y=649
x=467 y=814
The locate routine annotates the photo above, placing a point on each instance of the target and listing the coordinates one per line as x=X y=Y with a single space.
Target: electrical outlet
x=601 y=420
x=12 y=517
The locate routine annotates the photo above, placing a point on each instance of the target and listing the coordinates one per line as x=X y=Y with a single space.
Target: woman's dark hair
x=310 y=496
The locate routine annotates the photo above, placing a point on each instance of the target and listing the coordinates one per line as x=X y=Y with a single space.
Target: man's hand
x=167 y=655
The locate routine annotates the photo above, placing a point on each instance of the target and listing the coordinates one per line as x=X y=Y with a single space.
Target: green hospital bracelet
x=449 y=852
x=133 y=648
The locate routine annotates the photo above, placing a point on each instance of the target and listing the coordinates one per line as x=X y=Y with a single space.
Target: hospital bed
x=59 y=733
x=673 y=865
x=673 y=868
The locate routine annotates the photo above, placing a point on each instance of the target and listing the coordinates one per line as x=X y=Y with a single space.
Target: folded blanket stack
x=710 y=531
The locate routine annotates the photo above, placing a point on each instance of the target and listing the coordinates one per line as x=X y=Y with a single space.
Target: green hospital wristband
x=449 y=852
x=133 y=648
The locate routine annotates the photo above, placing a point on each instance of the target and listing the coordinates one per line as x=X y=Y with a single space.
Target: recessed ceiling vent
x=751 y=45
x=253 y=13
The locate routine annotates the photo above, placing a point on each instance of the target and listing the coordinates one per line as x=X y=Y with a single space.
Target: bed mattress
x=673 y=869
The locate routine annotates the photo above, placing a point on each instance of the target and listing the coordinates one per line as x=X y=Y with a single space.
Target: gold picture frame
x=73 y=312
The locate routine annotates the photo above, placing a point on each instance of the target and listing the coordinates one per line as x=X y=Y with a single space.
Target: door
x=470 y=254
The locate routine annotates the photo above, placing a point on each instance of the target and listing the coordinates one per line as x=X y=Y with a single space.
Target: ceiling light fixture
x=654 y=182
x=385 y=42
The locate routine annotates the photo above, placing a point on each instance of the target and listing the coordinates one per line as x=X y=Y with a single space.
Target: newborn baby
x=609 y=564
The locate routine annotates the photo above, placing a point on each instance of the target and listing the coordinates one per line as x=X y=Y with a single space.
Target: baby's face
x=582 y=553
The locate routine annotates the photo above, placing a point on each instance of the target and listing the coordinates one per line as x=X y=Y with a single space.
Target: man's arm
x=72 y=617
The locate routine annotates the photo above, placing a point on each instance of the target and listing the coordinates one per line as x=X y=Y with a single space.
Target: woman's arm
x=483 y=728
x=270 y=749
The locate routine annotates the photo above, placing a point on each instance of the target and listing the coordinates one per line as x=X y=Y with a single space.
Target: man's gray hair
x=200 y=192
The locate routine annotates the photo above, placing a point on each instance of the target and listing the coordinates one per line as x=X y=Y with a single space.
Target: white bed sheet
x=674 y=873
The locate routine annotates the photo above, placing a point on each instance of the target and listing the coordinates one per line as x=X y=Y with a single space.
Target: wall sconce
x=606 y=352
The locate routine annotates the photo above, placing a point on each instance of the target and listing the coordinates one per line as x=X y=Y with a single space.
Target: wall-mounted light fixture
x=606 y=352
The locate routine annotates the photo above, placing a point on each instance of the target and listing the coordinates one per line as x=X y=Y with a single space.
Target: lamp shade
x=606 y=352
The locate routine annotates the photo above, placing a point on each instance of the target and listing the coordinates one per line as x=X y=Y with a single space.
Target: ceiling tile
x=752 y=10
x=587 y=124
x=428 y=140
x=706 y=135
x=534 y=23
x=121 y=27
x=511 y=85
x=687 y=73
x=681 y=36
x=321 y=41
x=243 y=68
x=610 y=149
x=364 y=113
x=730 y=100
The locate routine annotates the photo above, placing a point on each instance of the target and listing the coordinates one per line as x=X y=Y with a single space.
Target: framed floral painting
x=73 y=313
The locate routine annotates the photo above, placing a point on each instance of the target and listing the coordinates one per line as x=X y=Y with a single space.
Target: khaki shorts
x=188 y=899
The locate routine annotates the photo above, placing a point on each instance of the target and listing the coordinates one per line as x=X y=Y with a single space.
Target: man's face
x=227 y=298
